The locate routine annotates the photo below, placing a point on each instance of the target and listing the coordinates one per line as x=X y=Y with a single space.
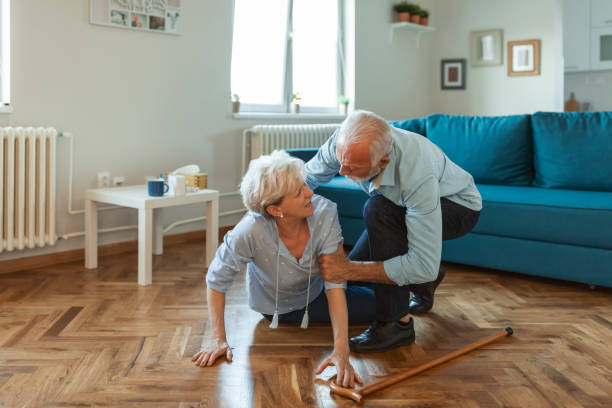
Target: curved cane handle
x=345 y=392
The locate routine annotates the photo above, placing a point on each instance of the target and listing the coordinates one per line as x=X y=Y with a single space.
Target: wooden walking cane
x=357 y=395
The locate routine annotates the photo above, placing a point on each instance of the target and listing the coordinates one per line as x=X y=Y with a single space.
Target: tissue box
x=199 y=180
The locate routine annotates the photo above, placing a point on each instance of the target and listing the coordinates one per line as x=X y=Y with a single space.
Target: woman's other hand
x=346 y=376
x=212 y=350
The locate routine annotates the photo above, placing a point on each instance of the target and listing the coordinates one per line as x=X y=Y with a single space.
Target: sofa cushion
x=417 y=125
x=560 y=216
x=558 y=261
x=347 y=194
x=493 y=149
x=573 y=150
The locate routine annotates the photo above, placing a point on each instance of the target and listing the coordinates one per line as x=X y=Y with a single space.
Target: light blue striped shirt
x=255 y=243
x=417 y=176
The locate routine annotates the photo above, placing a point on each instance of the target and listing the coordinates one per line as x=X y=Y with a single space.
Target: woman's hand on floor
x=346 y=376
x=212 y=350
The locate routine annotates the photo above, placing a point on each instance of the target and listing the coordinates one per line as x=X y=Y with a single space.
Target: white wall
x=490 y=91
x=138 y=103
x=391 y=79
x=592 y=87
x=142 y=103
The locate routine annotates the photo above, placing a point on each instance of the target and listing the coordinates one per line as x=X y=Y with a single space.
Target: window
x=282 y=47
x=5 y=56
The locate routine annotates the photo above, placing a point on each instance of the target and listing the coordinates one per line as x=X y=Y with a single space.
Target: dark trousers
x=385 y=237
x=360 y=302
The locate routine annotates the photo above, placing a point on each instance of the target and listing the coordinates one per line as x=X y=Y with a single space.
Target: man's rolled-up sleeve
x=324 y=165
x=424 y=229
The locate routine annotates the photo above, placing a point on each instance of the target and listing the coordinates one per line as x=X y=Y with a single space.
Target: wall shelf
x=417 y=28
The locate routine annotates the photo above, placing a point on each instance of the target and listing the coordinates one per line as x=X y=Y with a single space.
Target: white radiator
x=27 y=186
x=263 y=139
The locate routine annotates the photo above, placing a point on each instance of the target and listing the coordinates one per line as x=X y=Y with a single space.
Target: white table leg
x=158 y=233
x=145 y=246
x=91 y=234
x=212 y=229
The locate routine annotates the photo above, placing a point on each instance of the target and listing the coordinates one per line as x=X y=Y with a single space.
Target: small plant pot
x=424 y=21
x=236 y=106
x=403 y=17
x=295 y=108
x=415 y=18
x=343 y=108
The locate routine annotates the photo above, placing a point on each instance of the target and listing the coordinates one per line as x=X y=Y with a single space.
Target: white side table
x=150 y=232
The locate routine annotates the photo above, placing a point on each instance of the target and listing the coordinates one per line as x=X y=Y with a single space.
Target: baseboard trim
x=41 y=261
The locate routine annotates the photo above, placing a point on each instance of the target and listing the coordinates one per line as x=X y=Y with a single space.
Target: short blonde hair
x=269 y=179
x=365 y=126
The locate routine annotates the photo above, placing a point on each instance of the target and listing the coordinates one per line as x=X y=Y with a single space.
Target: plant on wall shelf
x=403 y=11
x=415 y=16
x=295 y=102
x=424 y=17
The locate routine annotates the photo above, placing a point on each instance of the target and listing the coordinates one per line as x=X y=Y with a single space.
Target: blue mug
x=157 y=187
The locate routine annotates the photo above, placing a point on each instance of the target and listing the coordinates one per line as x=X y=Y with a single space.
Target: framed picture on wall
x=486 y=48
x=160 y=16
x=524 y=58
x=453 y=73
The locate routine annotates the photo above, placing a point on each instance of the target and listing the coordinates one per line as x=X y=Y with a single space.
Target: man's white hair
x=269 y=179
x=364 y=126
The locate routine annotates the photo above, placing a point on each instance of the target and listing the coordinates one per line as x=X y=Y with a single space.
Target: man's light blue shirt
x=255 y=243
x=417 y=176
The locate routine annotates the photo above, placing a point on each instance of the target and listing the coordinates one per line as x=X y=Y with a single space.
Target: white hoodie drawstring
x=304 y=324
x=274 y=323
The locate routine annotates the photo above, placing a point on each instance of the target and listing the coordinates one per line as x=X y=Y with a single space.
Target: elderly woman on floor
x=279 y=240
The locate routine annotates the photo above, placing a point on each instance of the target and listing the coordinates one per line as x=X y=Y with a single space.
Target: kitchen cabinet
x=576 y=35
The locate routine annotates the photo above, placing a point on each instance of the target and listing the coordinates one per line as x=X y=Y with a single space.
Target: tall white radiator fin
x=263 y=139
x=27 y=187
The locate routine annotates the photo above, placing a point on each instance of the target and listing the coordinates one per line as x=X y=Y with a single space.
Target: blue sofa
x=546 y=184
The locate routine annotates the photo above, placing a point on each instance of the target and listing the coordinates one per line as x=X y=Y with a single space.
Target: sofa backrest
x=566 y=150
x=493 y=149
x=573 y=150
x=418 y=125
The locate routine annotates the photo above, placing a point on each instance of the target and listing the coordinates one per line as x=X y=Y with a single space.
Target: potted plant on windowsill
x=295 y=102
x=343 y=103
x=424 y=17
x=235 y=103
x=403 y=11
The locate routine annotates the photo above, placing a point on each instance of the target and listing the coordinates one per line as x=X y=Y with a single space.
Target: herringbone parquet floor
x=71 y=337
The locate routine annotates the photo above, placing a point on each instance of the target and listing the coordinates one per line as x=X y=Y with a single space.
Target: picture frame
x=119 y=17
x=524 y=58
x=139 y=21
x=159 y=16
x=157 y=23
x=486 y=48
x=453 y=74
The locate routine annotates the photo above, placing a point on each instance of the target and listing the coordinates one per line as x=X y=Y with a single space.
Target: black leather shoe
x=422 y=299
x=382 y=336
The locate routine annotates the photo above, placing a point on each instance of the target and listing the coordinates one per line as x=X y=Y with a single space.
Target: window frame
x=287 y=79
